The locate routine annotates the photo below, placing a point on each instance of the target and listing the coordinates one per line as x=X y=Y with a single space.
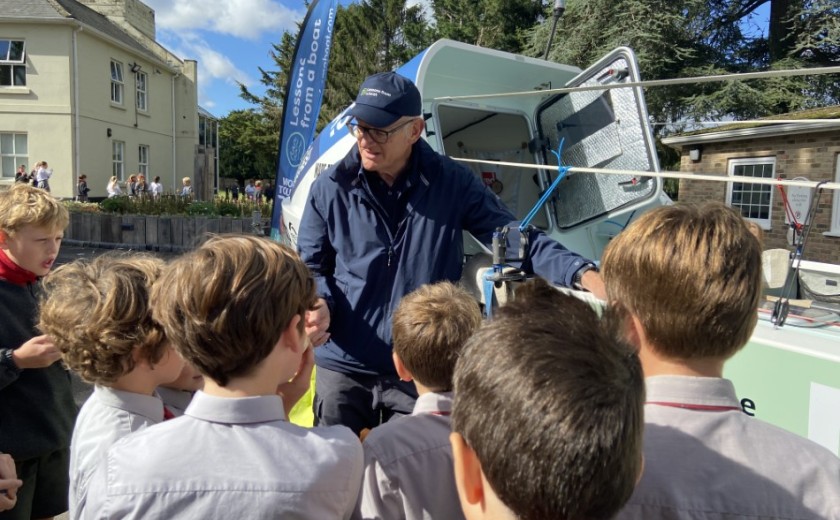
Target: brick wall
x=813 y=156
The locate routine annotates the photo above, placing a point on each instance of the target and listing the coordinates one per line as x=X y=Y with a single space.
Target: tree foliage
x=693 y=38
x=247 y=145
x=497 y=24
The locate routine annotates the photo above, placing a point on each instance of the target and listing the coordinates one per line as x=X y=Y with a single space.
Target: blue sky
x=231 y=39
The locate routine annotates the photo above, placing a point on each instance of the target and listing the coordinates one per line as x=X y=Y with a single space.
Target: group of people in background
x=135 y=186
x=254 y=190
x=38 y=177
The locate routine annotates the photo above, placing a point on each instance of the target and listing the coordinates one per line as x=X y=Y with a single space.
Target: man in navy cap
x=385 y=220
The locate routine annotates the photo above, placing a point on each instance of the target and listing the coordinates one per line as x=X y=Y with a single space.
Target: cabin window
x=118 y=159
x=755 y=201
x=143 y=160
x=835 y=207
x=12 y=63
x=142 y=80
x=13 y=152
x=117 y=85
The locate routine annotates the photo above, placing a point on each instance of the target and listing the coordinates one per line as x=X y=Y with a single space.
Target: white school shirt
x=710 y=461
x=408 y=466
x=234 y=458
x=156 y=188
x=176 y=401
x=43 y=174
x=107 y=416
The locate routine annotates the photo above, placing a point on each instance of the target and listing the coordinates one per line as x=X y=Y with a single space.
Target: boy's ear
x=403 y=372
x=468 y=476
x=3 y=237
x=633 y=330
x=291 y=337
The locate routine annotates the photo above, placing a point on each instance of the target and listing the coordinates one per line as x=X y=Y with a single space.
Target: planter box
x=152 y=233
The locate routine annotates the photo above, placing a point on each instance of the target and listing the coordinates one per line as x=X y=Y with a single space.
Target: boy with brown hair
x=98 y=314
x=688 y=280
x=234 y=308
x=36 y=401
x=430 y=327
x=547 y=420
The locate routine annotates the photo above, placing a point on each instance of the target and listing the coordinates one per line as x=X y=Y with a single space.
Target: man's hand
x=317 y=323
x=298 y=385
x=38 y=352
x=9 y=483
x=592 y=282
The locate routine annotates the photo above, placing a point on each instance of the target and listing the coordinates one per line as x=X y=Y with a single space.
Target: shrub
x=172 y=204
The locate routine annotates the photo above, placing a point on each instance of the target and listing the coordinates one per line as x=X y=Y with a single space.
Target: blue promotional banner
x=304 y=92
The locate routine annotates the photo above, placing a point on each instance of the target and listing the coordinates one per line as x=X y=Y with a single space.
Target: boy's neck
x=239 y=387
x=654 y=364
x=135 y=382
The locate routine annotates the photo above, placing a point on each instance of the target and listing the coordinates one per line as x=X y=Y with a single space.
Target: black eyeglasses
x=378 y=136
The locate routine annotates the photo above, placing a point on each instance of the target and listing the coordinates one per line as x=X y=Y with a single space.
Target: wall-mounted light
x=108 y=132
x=135 y=68
x=695 y=153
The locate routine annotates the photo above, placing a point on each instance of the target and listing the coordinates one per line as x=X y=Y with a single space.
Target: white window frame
x=142 y=96
x=12 y=158
x=13 y=65
x=835 y=205
x=143 y=160
x=765 y=223
x=118 y=159
x=117 y=83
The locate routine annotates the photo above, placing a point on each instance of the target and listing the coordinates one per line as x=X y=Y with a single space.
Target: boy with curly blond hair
x=36 y=400
x=98 y=314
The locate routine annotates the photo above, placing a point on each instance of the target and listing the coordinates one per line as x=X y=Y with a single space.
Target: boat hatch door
x=600 y=129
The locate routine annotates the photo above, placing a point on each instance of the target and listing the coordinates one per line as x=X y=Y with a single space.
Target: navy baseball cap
x=384 y=98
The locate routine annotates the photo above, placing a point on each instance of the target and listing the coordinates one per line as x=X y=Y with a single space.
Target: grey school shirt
x=106 y=417
x=234 y=458
x=708 y=460
x=408 y=466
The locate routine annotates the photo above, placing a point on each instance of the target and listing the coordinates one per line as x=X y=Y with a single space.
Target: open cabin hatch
x=606 y=129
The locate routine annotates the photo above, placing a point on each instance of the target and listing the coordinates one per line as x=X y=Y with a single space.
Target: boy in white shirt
x=547 y=419
x=234 y=308
x=408 y=460
x=98 y=315
x=688 y=278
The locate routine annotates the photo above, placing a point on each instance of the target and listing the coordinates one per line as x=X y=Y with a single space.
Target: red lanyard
x=700 y=407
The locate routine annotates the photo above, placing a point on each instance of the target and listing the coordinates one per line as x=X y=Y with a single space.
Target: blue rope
x=561 y=170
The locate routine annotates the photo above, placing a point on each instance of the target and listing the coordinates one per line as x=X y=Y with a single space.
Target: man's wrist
x=578 y=277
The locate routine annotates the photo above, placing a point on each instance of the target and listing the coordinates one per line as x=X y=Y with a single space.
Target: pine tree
x=496 y=24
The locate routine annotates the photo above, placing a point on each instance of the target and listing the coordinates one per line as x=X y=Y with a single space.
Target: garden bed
x=91 y=226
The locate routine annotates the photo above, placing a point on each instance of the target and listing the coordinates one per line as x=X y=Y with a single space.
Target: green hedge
x=170 y=204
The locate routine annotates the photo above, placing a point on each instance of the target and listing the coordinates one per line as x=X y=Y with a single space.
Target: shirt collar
x=236 y=410
x=433 y=402
x=149 y=406
x=705 y=391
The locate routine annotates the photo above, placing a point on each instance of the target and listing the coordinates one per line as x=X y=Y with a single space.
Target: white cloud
x=246 y=19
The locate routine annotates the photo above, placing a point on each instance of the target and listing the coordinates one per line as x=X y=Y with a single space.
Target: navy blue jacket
x=363 y=266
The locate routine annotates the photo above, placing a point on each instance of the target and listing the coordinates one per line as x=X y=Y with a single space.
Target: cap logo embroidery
x=373 y=92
